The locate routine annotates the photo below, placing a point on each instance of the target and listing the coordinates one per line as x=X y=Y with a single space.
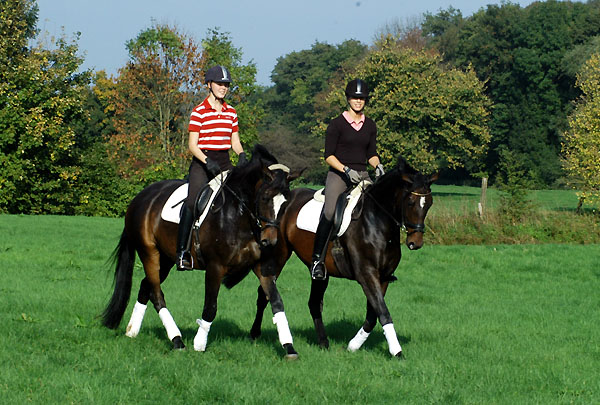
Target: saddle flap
x=172 y=207
x=310 y=213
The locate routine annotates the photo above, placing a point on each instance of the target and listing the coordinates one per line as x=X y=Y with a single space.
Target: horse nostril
x=411 y=245
x=264 y=243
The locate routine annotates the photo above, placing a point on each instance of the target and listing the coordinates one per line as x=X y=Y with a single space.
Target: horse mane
x=393 y=179
x=248 y=174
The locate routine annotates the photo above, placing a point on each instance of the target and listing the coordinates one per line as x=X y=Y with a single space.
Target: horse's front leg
x=370 y=321
x=375 y=291
x=271 y=294
x=261 y=305
x=214 y=276
x=315 y=305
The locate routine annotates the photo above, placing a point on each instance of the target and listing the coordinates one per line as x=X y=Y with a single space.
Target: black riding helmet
x=218 y=74
x=357 y=88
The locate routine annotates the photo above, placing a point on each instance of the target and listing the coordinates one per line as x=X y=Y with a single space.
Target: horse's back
x=142 y=220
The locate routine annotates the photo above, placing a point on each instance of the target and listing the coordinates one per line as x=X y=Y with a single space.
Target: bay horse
x=229 y=240
x=369 y=251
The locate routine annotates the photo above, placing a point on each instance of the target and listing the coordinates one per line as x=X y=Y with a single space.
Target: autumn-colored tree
x=581 y=142
x=152 y=96
x=434 y=116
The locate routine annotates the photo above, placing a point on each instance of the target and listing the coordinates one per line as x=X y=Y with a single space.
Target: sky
x=264 y=29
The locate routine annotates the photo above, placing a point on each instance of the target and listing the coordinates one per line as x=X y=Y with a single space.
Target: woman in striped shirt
x=213 y=130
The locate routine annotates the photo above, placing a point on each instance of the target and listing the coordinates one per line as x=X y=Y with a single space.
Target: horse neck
x=384 y=208
x=244 y=182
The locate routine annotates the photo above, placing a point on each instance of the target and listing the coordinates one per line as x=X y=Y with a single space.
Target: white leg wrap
x=169 y=323
x=283 y=329
x=392 y=339
x=358 y=340
x=202 y=335
x=135 y=322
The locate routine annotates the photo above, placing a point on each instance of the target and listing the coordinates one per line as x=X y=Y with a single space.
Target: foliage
x=303 y=79
x=520 y=54
x=41 y=99
x=431 y=115
x=581 y=145
x=152 y=98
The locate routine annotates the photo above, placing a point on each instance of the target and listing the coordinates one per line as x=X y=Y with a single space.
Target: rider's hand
x=213 y=167
x=379 y=171
x=242 y=160
x=352 y=175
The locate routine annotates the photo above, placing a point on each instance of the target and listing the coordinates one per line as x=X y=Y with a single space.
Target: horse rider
x=213 y=130
x=350 y=143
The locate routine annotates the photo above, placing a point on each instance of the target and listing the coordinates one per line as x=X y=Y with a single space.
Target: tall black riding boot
x=318 y=270
x=184 y=258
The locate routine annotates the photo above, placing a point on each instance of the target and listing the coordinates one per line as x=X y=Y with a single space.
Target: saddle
x=310 y=213
x=172 y=208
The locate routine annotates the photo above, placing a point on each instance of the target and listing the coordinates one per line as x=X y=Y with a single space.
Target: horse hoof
x=178 y=343
x=400 y=355
x=291 y=353
x=324 y=344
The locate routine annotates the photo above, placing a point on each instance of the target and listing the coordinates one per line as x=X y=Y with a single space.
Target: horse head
x=415 y=202
x=272 y=191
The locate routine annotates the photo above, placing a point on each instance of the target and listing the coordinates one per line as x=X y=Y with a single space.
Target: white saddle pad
x=308 y=217
x=172 y=207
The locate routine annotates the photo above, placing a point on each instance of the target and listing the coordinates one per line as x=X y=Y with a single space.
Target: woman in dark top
x=350 y=144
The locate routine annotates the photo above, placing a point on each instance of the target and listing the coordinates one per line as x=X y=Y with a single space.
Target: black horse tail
x=123 y=258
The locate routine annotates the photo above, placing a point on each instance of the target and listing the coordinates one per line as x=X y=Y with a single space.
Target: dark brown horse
x=368 y=252
x=242 y=221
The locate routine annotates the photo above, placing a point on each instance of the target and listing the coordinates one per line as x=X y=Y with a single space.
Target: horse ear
x=408 y=178
x=433 y=178
x=295 y=174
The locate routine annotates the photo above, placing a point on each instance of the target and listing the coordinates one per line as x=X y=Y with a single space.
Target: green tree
x=519 y=54
x=581 y=142
x=41 y=97
x=435 y=117
x=303 y=79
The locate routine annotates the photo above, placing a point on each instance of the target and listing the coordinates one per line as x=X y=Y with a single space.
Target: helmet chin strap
x=220 y=100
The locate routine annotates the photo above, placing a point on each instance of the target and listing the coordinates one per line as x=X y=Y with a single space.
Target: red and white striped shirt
x=215 y=128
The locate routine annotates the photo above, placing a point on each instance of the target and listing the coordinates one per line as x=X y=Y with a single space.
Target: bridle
x=403 y=223
x=260 y=221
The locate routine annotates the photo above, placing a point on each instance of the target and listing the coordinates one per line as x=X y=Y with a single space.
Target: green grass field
x=499 y=324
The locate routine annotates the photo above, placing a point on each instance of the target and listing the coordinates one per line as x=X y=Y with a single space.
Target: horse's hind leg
x=315 y=305
x=157 y=269
x=261 y=305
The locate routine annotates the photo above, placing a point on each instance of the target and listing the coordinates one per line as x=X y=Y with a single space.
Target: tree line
x=504 y=93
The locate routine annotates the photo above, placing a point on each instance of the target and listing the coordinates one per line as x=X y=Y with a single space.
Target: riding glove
x=379 y=171
x=242 y=159
x=352 y=175
x=212 y=166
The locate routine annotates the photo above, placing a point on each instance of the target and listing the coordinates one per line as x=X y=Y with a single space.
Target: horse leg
x=315 y=306
x=271 y=294
x=261 y=305
x=214 y=276
x=153 y=264
x=374 y=291
x=370 y=321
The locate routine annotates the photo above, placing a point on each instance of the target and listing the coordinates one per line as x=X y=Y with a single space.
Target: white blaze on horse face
x=278 y=201
x=422 y=202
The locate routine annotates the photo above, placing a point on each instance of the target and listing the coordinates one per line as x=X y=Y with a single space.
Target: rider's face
x=357 y=104
x=219 y=89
